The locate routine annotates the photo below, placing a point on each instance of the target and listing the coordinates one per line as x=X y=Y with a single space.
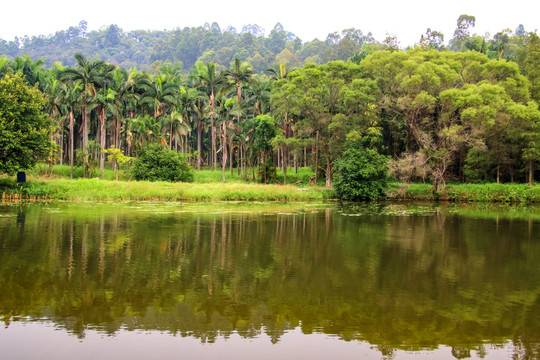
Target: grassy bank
x=204 y=176
x=468 y=193
x=93 y=189
x=208 y=185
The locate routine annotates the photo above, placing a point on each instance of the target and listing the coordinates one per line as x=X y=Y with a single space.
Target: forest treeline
x=147 y=49
x=466 y=111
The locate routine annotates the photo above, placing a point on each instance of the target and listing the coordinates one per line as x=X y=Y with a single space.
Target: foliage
x=118 y=158
x=24 y=128
x=157 y=163
x=362 y=174
x=441 y=116
x=267 y=172
x=471 y=193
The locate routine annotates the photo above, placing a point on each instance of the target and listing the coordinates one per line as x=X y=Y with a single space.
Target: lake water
x=91 y=280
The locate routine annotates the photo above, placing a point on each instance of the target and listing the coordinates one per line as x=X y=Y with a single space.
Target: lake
x=109 y=280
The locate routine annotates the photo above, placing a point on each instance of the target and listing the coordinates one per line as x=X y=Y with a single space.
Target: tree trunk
x=284 y=156
x=328 y=172
x=316 y=156
x=61 y=156
x=511 y=174
x=102 y=141
x=199 y=143
x=264 y=165
x=214 y=140
x=531 y=172
x=71 y=124
x=170 y=137
x=231 y=157
x=224 y=150
x=84 y=129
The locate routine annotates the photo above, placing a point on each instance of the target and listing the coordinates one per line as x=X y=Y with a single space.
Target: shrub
x=362 y=174
x=157 y=163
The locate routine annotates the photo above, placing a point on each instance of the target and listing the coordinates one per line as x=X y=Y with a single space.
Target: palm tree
x=73 y=95
x=215 y=81
x=33 y=71
x=91 y=75
x=159 y=93
x=56 y=101
x=106 y=102
x=278 y=72
x=240 y=73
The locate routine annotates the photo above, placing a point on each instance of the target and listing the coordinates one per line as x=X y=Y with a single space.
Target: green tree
x=24 y=127
x=264 y=132
x=214 y=82
x=328 y=102
x=91 y=74
x=362 y=174
x=158 y=163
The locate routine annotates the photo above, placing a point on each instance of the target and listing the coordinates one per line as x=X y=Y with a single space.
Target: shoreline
x=47 y=189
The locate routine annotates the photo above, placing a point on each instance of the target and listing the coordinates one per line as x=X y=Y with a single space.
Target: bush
x=362 y=175
x=157 y=163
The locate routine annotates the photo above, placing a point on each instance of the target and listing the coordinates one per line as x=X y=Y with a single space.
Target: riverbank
x=207 y=189
x=468 y=193
x=94 y=189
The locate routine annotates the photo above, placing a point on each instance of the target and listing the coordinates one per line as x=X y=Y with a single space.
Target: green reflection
x=398 y=276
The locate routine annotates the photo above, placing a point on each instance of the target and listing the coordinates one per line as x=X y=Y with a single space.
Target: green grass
x=206 y=176
x=65 y=172
x=470 y=193
x=208 y=185
x=93 y=189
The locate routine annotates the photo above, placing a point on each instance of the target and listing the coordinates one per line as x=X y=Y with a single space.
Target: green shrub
x=362 y=175
x=157 y=163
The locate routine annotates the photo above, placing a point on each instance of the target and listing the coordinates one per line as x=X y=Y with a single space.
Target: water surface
x=289 y=281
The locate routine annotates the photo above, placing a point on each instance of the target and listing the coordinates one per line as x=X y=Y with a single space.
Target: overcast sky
x=407 y=19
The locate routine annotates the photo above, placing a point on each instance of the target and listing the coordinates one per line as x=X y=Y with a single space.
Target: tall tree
x=24 y=127
x=91 y=75
x=214 y=82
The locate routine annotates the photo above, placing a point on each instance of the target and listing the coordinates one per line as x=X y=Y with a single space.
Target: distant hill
x=141 y=48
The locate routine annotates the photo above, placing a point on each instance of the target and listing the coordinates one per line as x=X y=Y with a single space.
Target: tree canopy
x=24 y=128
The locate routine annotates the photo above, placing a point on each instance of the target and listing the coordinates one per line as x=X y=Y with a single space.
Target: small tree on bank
x=24 y=128
x=158 y=163
x=362 y=174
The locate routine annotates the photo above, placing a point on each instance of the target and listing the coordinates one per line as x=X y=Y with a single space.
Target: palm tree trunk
x=199 y=144
x=61 y=156
x=102 y=118
x=224 y=148
x=531 y=172
x=316 y=156
x=71 y=124
x=230 y=156
x=170 y=137
x=284 y=163
x=214 y=140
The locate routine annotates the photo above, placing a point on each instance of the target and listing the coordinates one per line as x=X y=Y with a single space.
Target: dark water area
x=268 y=281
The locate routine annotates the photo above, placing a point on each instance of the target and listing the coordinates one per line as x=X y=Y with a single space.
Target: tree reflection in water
x=396 y=276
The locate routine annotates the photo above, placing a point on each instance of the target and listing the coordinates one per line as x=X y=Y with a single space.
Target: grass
x=93 y=189
x=208 y=185
x=502 y=193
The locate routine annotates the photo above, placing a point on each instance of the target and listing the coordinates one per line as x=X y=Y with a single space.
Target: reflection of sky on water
x=48 y=342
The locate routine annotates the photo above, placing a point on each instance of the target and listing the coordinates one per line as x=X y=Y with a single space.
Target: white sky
x=407 y=19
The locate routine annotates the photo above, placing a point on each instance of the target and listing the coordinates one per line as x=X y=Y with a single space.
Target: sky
x=406 y=19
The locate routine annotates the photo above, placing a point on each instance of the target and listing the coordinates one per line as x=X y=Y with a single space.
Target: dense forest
x=462 y=111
